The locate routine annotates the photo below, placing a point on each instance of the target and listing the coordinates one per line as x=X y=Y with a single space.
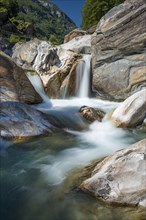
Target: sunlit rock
x=35 y=54
x=52 y=64
x=73 y=34
x=120 y=178
x=132 y=111
x=118 y=51
x=80 y=44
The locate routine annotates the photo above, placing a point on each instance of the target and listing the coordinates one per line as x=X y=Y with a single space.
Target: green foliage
x=11 y=5
x=14 y=38
x=53 y=39
x=3 y=10
x=45 y=19
x=93 y=10
x=20 y=24
x=34 y=18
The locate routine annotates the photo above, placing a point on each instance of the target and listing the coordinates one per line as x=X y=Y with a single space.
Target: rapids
x=39 y=178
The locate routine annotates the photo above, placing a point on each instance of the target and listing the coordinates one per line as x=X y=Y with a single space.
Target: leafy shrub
x=54 y=40
x=14 y=38
x=20 y=24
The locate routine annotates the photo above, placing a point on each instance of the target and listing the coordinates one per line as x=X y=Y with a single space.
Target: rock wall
x=118 y=46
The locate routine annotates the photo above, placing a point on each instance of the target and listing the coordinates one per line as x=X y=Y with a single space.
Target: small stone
x=91 y=114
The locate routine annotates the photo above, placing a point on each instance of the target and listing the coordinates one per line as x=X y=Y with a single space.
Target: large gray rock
x=19 y=120
x=14 y=84
x=121 y=178
x=35 y=54
x=118 y=46
x=132 y=111
x=54 y=65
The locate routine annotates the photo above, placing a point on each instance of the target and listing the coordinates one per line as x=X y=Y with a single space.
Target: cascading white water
x=38 y=86
x=83 y=77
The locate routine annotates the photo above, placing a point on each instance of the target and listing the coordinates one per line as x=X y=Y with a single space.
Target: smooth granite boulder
x=121 y=177
x=132 y=111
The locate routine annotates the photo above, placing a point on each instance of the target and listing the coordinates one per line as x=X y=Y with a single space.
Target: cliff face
x=118 y=51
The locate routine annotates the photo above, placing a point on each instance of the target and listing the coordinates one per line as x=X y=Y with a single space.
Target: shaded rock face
x=21 y=120
x=14 y=84
x=35 y=54
x=132 y=111
x=73 y=34
x=91 y=114
x=120 y=178
x=118 y=46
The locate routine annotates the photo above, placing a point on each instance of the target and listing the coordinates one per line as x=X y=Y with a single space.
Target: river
x=40 y=178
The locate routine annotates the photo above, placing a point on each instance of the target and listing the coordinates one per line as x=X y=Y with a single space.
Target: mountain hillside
x=22 y=20
x=48 y=20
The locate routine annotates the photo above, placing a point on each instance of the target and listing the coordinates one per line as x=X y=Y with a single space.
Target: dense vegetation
x=93 y=10
x=22 y=20
x=11 y=6
x=50 y=23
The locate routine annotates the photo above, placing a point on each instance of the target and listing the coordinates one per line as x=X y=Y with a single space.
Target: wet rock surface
x=91 y=114
x=21 y=120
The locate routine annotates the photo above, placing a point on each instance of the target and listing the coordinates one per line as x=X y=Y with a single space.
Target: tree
x=53 y=39
x=93 y=10
x=11 y=5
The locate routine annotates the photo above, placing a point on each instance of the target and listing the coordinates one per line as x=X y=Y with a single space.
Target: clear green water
x=29 y=192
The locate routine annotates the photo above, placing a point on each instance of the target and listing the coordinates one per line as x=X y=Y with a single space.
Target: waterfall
x=83 y=77
x=38 y=86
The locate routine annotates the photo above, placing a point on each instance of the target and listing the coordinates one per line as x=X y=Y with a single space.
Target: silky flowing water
x=40 y=178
